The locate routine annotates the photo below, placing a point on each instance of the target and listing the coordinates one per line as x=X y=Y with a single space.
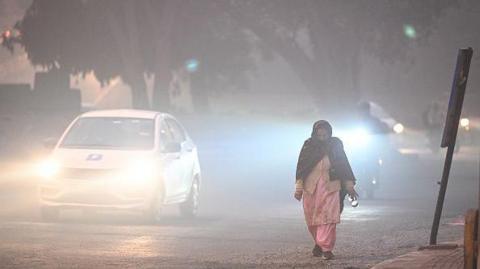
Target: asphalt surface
x=248 y=218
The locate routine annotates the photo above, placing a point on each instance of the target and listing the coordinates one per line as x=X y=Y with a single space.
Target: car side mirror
x=172 y=147
x=50 y=142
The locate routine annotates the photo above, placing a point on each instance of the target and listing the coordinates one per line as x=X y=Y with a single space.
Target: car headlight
x=398 y=128
x=465 y=123
x=48 y=168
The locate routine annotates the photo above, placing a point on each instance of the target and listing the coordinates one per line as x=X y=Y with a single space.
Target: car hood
x=98 y=159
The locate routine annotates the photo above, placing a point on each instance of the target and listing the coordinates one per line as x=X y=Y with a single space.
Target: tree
x=133 y=39
x=197 y=31
x=323 y=40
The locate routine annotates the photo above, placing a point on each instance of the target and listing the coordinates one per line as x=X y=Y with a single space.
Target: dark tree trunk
x=126 y=38
x=161 y=97
x=199 y=93
x=161 y=15
x=138 y=89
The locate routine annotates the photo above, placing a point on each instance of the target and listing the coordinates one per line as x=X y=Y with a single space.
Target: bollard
x=470 y=242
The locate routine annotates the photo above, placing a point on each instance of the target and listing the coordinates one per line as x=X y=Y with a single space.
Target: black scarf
x=314 y=150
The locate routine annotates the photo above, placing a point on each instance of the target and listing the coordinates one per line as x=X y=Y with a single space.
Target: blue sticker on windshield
x=94 y=157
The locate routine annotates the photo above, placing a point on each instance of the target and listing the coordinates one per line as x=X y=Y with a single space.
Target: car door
x=172 y=171
x=187 y=154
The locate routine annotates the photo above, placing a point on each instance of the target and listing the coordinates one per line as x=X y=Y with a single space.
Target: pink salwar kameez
x=321 y=204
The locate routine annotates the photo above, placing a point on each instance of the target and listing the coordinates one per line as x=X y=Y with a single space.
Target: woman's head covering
x=313 y=150
x=321 y=124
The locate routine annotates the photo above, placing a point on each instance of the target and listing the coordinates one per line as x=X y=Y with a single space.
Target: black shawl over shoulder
x=313 y=152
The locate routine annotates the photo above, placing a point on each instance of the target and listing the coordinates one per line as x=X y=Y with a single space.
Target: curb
x=442 y=256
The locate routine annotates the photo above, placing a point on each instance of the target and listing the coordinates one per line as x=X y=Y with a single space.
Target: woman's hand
x=298 y=195
x=352 y=193
x=298 y=189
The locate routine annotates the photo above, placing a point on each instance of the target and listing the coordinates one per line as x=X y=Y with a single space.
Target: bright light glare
x=356 y=138
x=409 y=31
x=361 y=136
x=464 y=122
x=398 y=128
x=140 y=171
x=48 y=168
x=192 y=65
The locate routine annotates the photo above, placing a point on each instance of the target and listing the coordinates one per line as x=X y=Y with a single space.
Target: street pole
x=450 y=131
x=478 y=216
x=441 y=194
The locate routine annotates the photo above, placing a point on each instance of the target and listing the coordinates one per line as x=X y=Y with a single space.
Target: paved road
x=270 y=237
x=248 y=219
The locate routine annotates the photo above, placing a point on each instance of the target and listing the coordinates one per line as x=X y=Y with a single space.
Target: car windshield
x=111 y=133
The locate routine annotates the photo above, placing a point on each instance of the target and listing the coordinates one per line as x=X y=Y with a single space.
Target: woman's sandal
x=328 y=255
x=317 y=251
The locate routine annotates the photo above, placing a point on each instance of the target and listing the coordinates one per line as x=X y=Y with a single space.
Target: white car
x=121 y=159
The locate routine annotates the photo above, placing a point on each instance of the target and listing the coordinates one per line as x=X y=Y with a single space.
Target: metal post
x=450 y=131
x=441 y=194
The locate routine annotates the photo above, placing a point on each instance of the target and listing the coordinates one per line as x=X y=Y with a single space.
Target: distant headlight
x=398 y=128
x=48 y=168
x=362 y=135
x=359 y=137
x=465 y=123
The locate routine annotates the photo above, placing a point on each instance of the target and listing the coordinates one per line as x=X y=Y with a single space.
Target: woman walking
x=323 y=178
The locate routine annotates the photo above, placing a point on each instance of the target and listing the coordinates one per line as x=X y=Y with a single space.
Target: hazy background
x=399 y=68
